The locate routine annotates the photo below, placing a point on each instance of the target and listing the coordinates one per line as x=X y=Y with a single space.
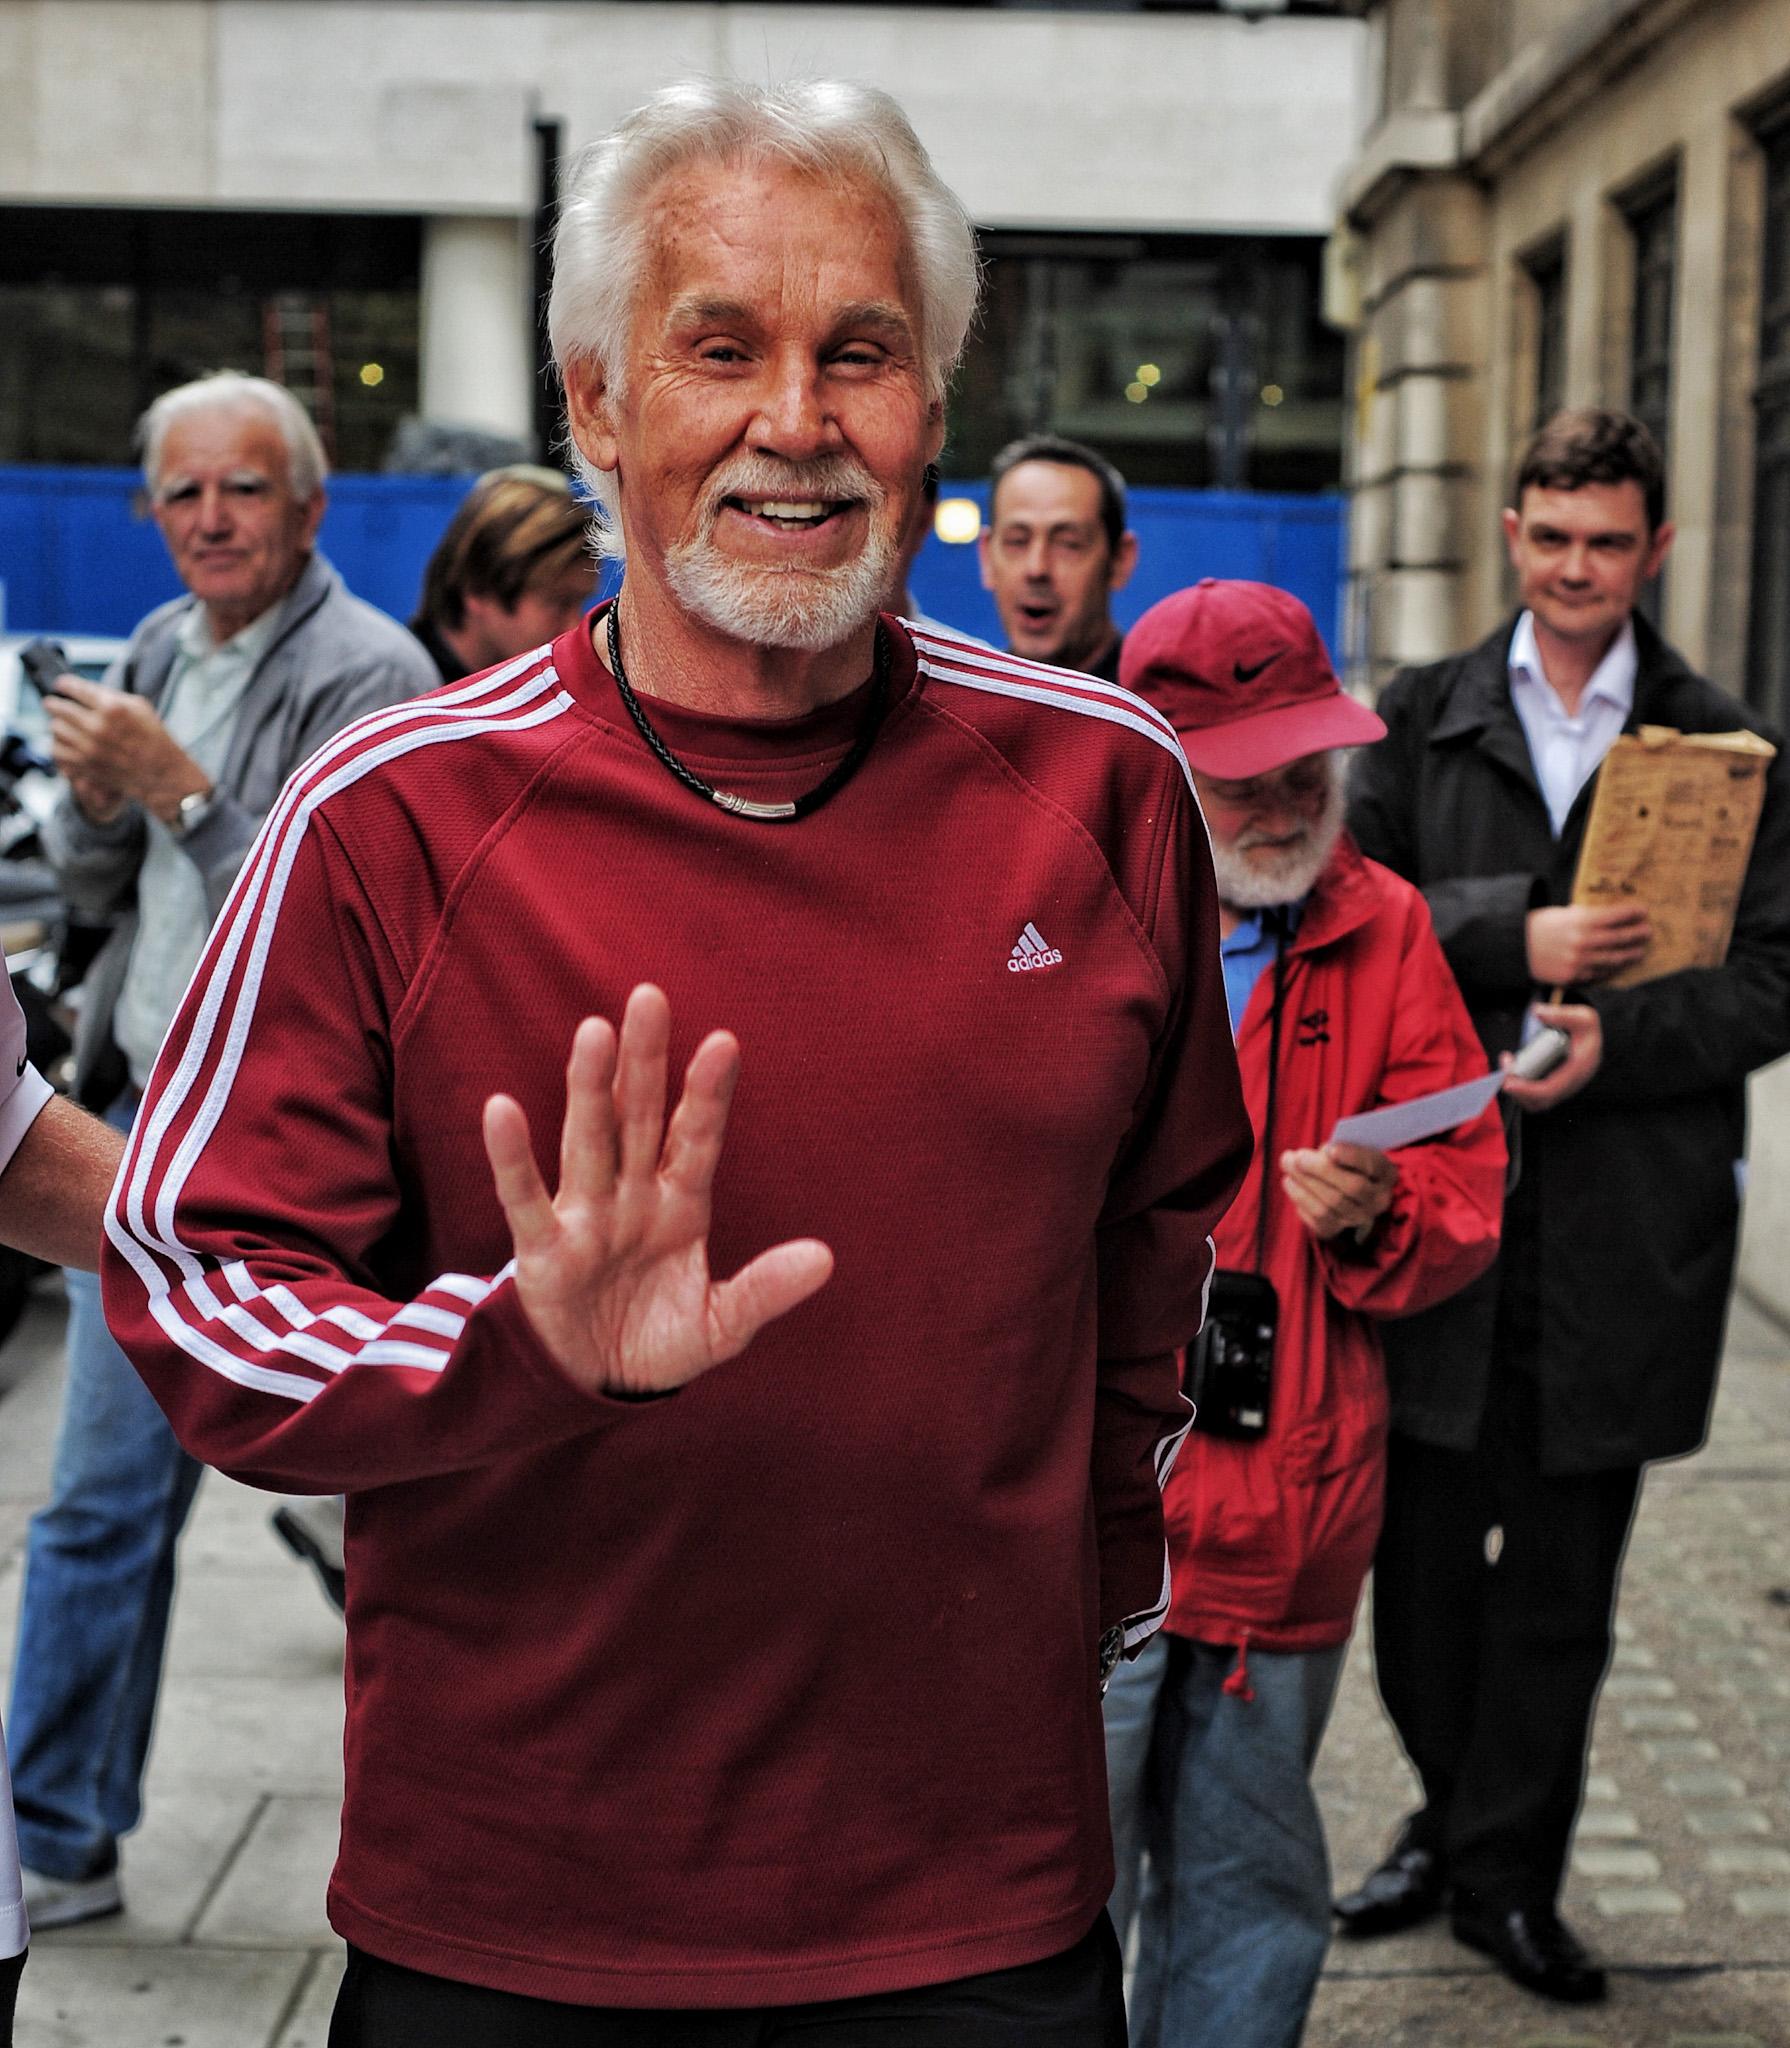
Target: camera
x=1230 y=1369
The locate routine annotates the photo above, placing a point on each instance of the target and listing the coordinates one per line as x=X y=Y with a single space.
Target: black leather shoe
x=1532 y=1945
x=1404 y=1891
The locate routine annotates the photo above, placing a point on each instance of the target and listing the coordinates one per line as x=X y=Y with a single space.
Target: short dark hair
x=1073 y=455
x=515 y=529
x=1589 y=445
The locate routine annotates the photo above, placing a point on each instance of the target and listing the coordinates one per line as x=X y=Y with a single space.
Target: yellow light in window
x=371 y=374
x=1148 y=373
x=1272 y=394
x=957 y=521
x=1137 y=392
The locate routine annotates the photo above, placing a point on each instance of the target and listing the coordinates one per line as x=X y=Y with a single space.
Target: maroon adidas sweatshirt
x=783 y=1689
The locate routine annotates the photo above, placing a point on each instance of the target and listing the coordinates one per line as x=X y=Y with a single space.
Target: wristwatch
x=191 y=810
x=1112 y=1647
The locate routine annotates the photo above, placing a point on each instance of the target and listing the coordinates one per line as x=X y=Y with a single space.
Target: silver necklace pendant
x=744 y=807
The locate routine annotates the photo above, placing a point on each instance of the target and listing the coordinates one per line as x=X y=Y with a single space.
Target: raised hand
x=612 y=1269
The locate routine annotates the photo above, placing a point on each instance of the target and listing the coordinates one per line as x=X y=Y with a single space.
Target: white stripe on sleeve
x=190 y=1311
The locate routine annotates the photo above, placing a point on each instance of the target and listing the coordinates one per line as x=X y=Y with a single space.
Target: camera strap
x=1230 y=1365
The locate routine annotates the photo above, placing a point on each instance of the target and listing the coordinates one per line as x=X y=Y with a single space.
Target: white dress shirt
x=1566 y=749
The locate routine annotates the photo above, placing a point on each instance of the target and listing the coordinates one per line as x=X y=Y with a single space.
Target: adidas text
x=1031 y=952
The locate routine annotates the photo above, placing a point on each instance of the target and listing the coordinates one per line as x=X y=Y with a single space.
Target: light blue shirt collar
x=1245 y=954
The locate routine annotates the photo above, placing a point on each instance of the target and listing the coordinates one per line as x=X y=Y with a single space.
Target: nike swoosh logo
x=1248 y=675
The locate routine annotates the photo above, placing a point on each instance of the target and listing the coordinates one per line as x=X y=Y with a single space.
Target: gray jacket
x=332 y=658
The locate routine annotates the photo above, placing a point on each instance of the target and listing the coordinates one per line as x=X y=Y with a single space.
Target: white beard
x=1254 y=876
x=767 y=606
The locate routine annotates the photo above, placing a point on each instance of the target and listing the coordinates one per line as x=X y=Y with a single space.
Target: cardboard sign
x=1671 y=827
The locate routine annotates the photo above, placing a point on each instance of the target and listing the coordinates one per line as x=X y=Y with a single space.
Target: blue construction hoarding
x=1295 y=542
x=78 y=556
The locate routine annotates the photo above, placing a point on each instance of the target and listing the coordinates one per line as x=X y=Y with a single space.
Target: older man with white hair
x=697 y=1701
x=171 y=764
x=1342 y=1003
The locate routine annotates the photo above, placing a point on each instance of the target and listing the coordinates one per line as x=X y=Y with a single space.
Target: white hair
x=781 y=605
x=827 y=127
x=1254 y=876
x=230 y=391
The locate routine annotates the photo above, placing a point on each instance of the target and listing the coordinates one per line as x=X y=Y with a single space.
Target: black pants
x=1072 y=2000
x=1491 y=1671
x=12 y=1968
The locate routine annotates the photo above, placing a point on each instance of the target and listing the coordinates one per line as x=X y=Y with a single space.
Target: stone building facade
x=1577 y=202
x=1571 y=201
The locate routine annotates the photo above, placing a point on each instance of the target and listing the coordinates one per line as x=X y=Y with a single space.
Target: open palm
x=612 y=1269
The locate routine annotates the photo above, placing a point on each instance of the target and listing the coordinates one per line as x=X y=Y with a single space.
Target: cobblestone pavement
x=1681 y=1866
x=1681 y=1875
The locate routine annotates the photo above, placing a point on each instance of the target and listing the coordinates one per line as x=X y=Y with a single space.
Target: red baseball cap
x=1240 y=672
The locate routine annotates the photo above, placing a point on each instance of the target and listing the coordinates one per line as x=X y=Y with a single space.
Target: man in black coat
x=1529 y=1404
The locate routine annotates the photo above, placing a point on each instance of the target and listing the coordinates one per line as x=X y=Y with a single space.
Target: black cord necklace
x=745 y=806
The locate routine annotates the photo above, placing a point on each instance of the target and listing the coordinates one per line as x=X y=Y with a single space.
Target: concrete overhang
x=1553 y=78
x=1534 y=94
x=1398 y=148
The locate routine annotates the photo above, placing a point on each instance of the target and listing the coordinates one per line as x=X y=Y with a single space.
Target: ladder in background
x=297 y=351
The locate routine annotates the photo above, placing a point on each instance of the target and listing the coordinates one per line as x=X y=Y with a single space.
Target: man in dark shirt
x=1531 y=1404
x=1055 y=549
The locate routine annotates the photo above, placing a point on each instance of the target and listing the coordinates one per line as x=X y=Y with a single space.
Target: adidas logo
x=1032 y=952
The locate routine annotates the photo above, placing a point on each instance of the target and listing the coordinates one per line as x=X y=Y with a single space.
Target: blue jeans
x=93 y=1621
x=1215 y=1791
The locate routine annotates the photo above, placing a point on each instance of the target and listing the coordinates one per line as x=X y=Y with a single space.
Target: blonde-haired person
x=513 y=569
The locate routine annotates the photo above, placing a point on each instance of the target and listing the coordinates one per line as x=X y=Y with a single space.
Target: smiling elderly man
x=171 y=763
x=731 y=1705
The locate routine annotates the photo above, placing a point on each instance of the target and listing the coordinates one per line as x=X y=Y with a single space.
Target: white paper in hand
x=1424 y=1116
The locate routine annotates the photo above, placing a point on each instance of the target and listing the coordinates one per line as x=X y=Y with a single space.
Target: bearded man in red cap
x=1341 y=1002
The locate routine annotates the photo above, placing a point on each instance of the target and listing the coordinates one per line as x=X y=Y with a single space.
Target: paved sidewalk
x=1681 y=1865
x=224 y=1943
x=1681 y=1877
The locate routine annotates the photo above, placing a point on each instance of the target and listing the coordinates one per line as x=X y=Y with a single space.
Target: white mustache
x=764 y=476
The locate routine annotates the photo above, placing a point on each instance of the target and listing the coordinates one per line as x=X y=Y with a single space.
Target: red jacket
x=1271 y=1540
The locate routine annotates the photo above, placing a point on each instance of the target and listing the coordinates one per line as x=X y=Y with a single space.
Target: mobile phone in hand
x=44 y=662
